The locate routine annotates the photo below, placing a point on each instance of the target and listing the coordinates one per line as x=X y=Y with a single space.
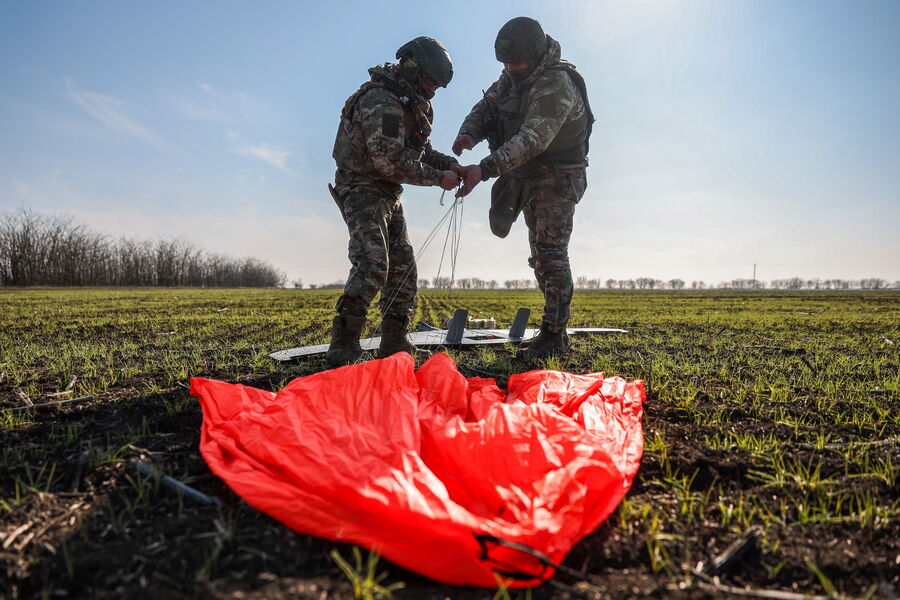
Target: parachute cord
x=458 y=225
x=451 y=213
x=446 y=238
x=451 y=232
x=418 y=255
x=453 y=236
x=484 y=539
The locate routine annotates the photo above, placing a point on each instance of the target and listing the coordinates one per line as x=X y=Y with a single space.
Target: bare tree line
x=38 y=249
x=476 y=283
x=793 y=283
x=646 y=283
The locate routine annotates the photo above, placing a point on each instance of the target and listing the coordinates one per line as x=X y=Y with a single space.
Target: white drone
x=460 y=332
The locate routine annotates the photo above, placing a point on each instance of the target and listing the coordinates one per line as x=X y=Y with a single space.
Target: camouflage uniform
x=381 y=143
x=537 y=131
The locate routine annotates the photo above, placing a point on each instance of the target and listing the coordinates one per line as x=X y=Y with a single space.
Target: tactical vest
x=570 y=146
x=416 y=140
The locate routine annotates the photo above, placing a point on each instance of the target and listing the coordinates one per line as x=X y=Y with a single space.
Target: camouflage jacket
x=383 y=134
x=548 y=112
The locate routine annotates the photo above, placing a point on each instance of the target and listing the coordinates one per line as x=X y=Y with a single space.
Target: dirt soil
x=96 y=540
x=77 y=520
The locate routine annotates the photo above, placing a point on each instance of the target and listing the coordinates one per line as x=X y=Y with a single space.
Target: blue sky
x=728 y=132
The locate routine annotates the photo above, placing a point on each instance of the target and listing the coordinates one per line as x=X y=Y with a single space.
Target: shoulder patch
x=548 y=106
x=390 y=125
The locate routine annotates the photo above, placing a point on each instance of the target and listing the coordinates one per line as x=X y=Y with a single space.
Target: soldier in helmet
x=382 y=142
x=537 y=121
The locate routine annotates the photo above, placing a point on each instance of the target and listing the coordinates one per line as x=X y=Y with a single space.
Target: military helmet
x=432 y=57
x=521 y=39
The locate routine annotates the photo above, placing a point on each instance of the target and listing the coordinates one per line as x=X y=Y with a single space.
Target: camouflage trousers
x=381 y=256
x=549 y=210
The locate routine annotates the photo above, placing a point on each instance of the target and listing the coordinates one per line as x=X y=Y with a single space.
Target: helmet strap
x=411 y=72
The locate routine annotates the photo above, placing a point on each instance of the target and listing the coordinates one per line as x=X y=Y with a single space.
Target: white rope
x=458 y=225
x=454 y=235
x=454 y=213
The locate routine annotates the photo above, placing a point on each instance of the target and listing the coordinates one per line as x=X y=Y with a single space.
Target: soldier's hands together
x=463 y=141
x=471 y=178
x=450 y=180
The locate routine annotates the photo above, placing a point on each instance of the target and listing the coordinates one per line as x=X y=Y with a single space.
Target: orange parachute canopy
x=437 y=472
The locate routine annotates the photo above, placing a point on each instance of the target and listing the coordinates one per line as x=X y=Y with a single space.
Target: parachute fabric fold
x=415 y=464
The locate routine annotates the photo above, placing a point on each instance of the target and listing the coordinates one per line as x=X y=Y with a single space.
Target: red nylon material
x=412 y=464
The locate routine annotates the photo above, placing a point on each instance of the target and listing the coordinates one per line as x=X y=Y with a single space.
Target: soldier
x=382 y=142
x=537 y=121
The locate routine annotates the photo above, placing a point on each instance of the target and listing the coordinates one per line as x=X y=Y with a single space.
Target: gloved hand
x=463 y=141
x=471 y=178
x=449 y=181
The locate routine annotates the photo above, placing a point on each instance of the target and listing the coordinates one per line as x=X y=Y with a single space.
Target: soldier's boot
x=524 y=345
x=546 y=343
x=393 y=337
x=344 y=348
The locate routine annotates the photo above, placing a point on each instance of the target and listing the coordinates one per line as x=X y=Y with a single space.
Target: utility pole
x=754 y=274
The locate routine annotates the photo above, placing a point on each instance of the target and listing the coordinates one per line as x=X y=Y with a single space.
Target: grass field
x=772 y=410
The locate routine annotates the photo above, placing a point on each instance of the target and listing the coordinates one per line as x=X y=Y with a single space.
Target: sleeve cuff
x=485 y=170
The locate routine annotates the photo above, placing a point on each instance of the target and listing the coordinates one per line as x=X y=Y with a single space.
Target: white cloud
x=269 y=154
x=50 y=192
x=110 y=111
x=266 y=153
x=21 y=188
x=211 y=104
